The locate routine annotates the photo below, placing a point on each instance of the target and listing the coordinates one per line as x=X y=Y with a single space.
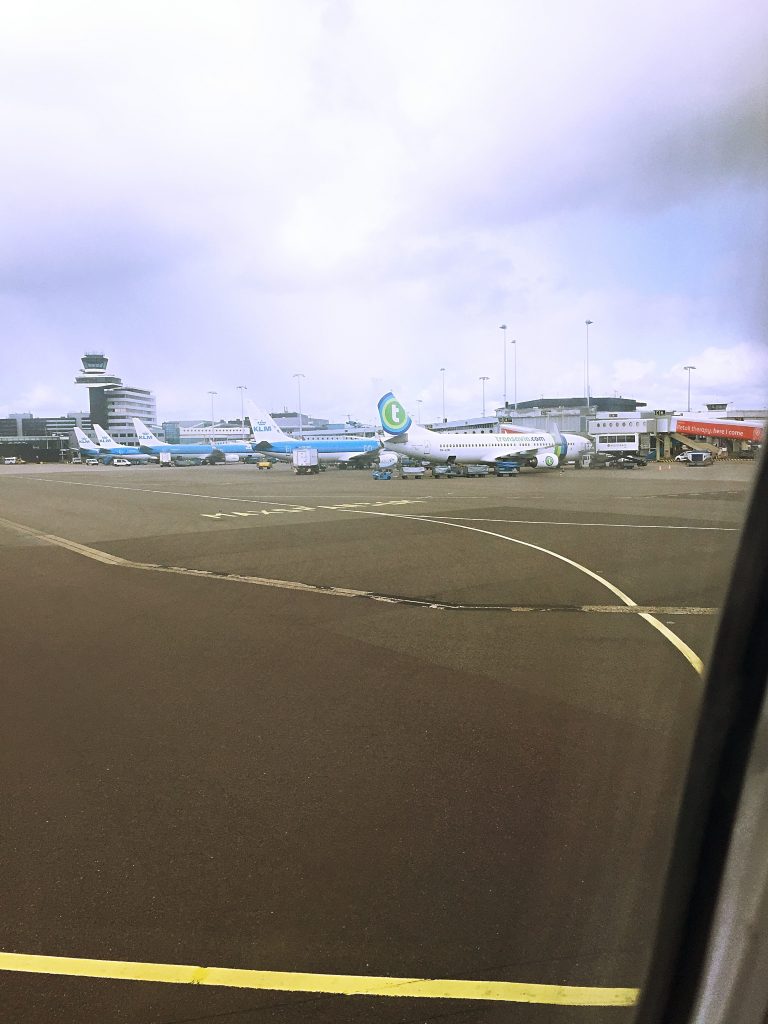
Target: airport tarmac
x=347 y=729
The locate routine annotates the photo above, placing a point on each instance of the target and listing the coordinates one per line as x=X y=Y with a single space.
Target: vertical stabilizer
x=105 y=441
x=561 y=444
x=144 y=434
x=84 y=442
x=263 y=427
x=394 y=418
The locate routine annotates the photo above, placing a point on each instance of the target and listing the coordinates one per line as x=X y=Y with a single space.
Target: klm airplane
x=228 y=451
x=109 y=446
x=267 y=437
x=107 y=449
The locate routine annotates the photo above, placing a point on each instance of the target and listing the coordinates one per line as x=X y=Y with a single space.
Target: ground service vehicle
x=305 y=460
x=443 y=472
x=510 y=468
x=381 y=474
x=411 y=470
x=699 y=459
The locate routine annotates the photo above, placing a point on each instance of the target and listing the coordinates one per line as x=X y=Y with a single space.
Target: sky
x=363 y=191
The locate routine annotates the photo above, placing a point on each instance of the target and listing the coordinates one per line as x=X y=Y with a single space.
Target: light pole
x=513 y=342
x=212 y=394
x=484 y=379
x=689 y=368
x=241 y=388
x=418 y=402
x=298 y=377
x=504 y=336
x=442 y=370
x=588 y=322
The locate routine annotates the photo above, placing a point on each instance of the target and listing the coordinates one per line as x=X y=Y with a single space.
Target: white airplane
x=267 y=437
x=85 y=444
x=537 y=449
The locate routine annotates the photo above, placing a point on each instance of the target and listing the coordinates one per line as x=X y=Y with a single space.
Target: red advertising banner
x=733 y=429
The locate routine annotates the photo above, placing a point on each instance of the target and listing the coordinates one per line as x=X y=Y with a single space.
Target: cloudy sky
x=362 y=191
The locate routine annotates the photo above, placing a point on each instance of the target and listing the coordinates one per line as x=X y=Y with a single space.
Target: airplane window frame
x=732 y=699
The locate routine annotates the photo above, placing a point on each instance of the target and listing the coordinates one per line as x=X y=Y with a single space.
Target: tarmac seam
x=329 y=984
x=333 y=591
x=677 y=642
x=109 y=559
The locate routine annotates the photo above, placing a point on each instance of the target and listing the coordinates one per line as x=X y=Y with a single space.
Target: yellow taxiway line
x=327 y=984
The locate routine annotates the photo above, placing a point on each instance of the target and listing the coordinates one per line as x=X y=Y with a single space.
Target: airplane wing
x=532 y=456
x=511 y=456
x=369 y=455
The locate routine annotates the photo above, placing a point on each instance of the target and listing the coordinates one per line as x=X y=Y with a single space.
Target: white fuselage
x=577 y=446
x=471 y=449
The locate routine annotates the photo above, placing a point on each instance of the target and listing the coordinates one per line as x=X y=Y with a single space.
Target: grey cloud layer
x=259 y=188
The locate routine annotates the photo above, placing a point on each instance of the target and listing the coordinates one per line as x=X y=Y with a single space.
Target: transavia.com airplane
x=537 y=449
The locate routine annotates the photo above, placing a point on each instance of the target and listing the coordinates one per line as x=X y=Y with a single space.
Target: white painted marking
x=688 y=653
x=151 y=490
x=116 y=560
x=617 y=526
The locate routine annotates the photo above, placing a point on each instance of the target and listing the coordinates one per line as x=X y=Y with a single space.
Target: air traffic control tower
x=113 y=404
x=96 y=379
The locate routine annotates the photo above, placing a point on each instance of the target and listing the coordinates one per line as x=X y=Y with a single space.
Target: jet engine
x=387 y=459
x=544 y=460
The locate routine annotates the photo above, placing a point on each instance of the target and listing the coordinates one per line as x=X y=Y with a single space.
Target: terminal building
x=569 y=414
x=625 y=425
x=114 y=404
x=39 y=438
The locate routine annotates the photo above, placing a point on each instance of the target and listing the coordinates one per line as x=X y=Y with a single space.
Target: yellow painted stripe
x=688 y=653
x=62 y=542
x=329 y=984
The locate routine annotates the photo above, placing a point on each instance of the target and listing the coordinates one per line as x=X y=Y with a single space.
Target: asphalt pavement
x=346 y=727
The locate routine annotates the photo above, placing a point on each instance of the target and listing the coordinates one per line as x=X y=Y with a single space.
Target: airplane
x=536 y=449
x=267 y=437
x=110 y=447
x=107 y=450
x=577 y=444
x=85 y=444
x=226 y=451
